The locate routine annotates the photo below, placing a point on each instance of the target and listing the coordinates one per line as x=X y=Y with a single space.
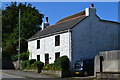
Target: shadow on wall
x=7 y=63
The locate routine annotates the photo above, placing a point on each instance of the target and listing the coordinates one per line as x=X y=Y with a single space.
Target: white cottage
x=79 y=36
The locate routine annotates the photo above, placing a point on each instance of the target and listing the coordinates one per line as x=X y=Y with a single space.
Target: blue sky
x=58 y=10
x=62 y=0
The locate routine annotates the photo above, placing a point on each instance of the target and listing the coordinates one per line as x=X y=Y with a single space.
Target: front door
x=46 y=59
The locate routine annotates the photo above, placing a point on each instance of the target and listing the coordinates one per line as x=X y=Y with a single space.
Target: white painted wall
x=47 y=45
x=92 y=36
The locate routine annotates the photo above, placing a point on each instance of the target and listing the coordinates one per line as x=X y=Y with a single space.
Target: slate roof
x=62 y=25
x=72 y=16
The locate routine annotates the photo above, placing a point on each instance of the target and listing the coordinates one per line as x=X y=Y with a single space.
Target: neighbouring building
x=79 y=36
x=107 y=64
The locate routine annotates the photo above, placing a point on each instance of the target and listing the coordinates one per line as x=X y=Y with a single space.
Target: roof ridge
x=67 y=20
x=71 y=16
x=70 y=19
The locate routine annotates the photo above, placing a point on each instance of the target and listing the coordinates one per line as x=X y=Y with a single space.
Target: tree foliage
x=30 y=18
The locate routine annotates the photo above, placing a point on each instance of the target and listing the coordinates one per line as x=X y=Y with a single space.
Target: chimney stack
x=46 y=19
x=45 y=24
x=90 y=11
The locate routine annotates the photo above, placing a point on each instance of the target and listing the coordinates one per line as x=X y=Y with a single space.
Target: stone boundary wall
x=35 y=71
x=107 y=64
x=108 y=75
x=15 y=63
x=56 y=73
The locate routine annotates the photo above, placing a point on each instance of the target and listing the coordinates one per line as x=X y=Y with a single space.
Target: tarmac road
x=5 y=75
x=21 y=75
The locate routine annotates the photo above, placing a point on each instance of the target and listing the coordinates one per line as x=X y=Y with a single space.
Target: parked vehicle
x=84 y=67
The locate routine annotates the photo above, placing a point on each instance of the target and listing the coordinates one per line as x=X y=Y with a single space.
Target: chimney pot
x=46 y=19
x=92 y=6
x=6 y=5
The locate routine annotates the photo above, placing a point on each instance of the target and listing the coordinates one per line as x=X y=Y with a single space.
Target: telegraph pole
x=19 y=42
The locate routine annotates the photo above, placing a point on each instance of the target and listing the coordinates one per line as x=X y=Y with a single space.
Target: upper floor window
x=57 y=40
x=38 y=44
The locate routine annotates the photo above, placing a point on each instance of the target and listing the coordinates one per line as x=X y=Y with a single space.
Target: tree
x=31 y=19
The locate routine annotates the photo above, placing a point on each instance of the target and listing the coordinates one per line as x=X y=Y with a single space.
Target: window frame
x=57 y=40
x=56 y=55
x=38 y=58
x=38 y=44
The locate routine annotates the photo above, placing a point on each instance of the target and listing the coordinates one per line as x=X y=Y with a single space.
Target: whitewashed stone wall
x=47 y=45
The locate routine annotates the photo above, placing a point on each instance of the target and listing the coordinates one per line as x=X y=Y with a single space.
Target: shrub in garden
x=62 y=62
x=33 y=66
x=52 y=67
x=39 y=65
x=24 y=64
x=31 y=61
x=48 y=67
x=28 y=65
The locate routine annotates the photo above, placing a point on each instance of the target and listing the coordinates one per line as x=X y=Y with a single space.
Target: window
x=57 y=40
x=38 y=57
x=57 y=55
x=38 y=44
x=46 y=59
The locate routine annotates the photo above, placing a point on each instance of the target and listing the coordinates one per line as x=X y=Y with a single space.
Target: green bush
x=48 y=67
x=62 y=62
x=31 y=61
x=28 y=65
x=39 y=65
x=33 y=66
x=24 y=64
x=52 y=67
x=24 y=56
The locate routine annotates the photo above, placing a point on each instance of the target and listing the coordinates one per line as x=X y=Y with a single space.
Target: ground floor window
x=46 y=59
x=38 y=57
x=57 y=55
